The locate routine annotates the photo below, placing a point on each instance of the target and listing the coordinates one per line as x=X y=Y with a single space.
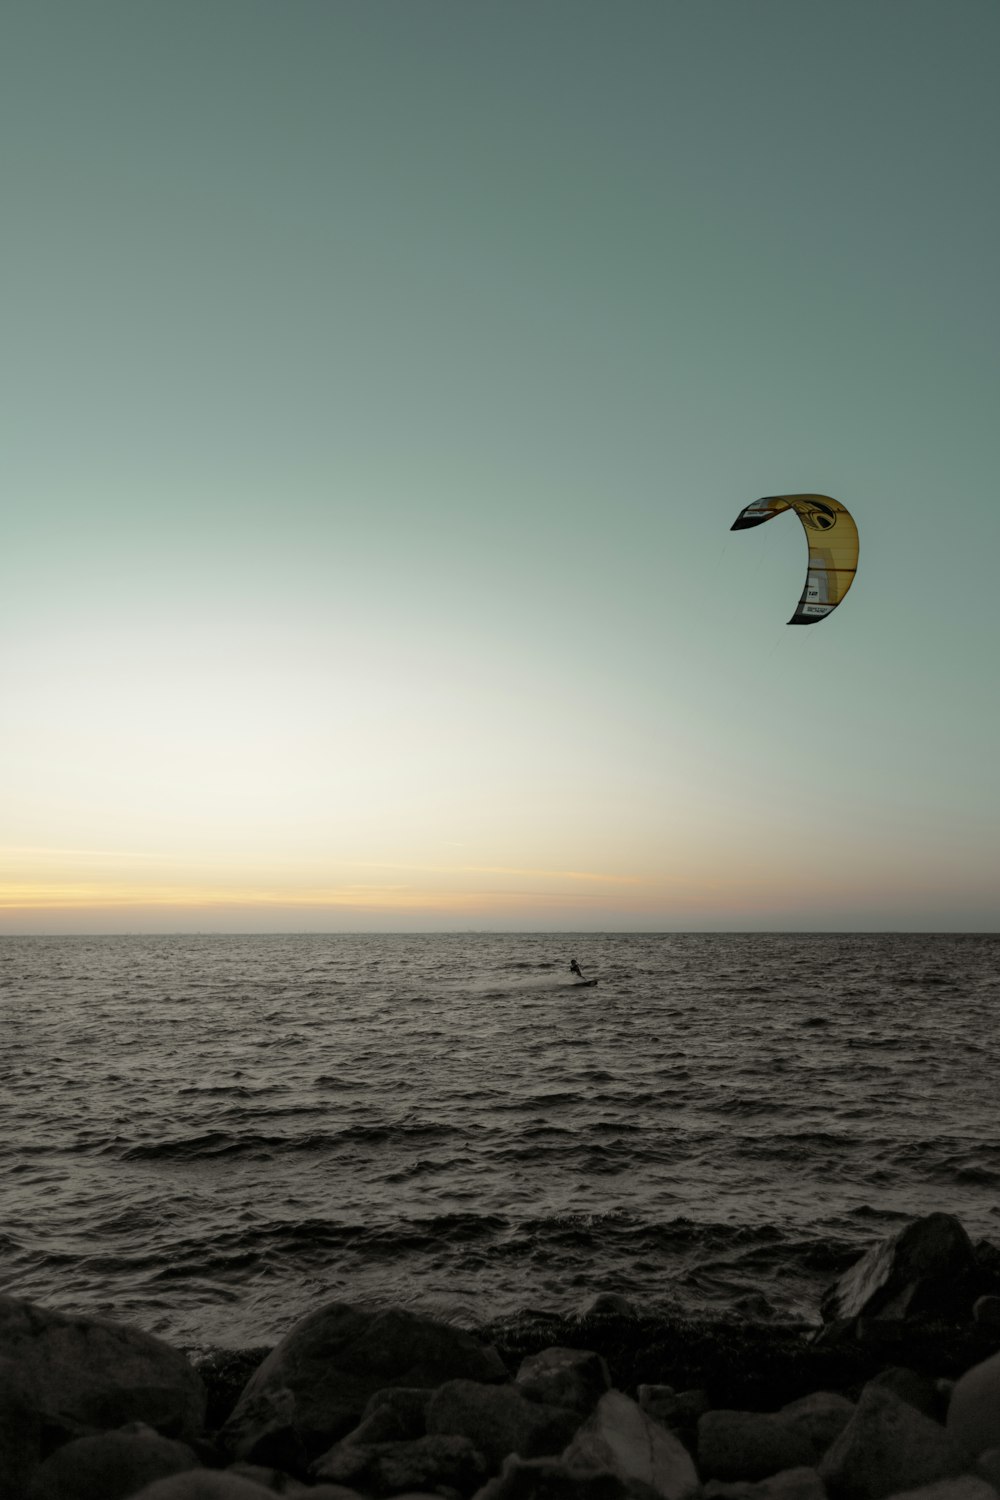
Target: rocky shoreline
x=896 y=1391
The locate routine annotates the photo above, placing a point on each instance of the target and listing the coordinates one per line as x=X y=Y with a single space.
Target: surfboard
x=582 y=984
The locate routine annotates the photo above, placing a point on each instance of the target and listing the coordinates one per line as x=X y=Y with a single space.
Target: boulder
x=575 y=1378
x=748 y=1445
x=551 y=1479
x=789 y=1484
x=20 y=1428
x=929 y=1268
x=110 y=1465
x=93 y=1373
x=500 y=1420
x=391 y=1468
x=620 y=1437
x=817 y=1419
x=313 y=1388
x=973 y=1420
x=886 y=1447
x=751 y=1445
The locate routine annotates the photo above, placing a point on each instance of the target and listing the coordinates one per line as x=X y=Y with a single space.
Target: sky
x=380 y=382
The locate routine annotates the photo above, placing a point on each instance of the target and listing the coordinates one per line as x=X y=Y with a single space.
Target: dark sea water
x=210 y=1135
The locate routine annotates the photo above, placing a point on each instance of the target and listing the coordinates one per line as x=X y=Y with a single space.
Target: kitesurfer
x=575 y=968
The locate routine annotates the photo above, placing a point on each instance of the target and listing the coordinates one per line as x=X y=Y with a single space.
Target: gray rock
x=750 y=1445
x=203 y=1484
x=551 y=1479
x=988 y=1467
x=342 y=1492
x=974 y=1409
x=658 y=1402
x=886 y=1447
x=110 y=1465
x=575 y=1378
x=621 y=1438
x=929 y=1267
x=789 y=1484
x=93 y=1373
x=908 y=1385
x=391 y=1468
x=500 y=1420
x=392 y=1416
x=265 y=1430
x=313 y=1388
x=963 y=1487
x=20 y=1427
x=986 y=1312
x=817 y=1419
x=274 y=1480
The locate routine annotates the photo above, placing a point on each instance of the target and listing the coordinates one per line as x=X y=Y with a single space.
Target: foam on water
x=209 y=1135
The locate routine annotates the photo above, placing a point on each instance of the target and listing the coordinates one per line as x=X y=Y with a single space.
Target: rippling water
x=208 y=1135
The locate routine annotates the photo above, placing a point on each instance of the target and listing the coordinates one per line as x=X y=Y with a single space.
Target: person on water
x=575 y=968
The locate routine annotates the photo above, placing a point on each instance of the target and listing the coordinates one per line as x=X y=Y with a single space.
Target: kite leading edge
x=833 y=548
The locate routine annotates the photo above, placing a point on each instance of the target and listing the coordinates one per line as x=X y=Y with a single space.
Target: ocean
x=208 y=1136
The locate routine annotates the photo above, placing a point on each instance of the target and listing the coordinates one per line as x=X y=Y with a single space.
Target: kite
x=833 y=548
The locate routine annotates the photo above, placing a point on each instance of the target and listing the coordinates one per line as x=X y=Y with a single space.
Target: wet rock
x=551 y=1479
x=390 y=1468
x=20 y=1428
x=110 y=1465
x=500 y=1420
x=575 y=1378
x=929 y=1268
x=319 y=1378
x=886 y=1447
x=973 y=1420
x=93 y=1373
x=789 y=1484
x=620 y=1437
x=603 y=1304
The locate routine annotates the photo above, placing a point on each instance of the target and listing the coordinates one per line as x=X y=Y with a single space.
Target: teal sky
x=380 y=383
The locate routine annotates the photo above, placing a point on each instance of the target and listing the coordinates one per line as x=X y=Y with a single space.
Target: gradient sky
x=381 y=379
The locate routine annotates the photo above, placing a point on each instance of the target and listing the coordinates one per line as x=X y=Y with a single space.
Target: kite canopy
x=833 y=548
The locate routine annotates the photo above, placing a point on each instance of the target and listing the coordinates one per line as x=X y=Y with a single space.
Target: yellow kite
x=833 y=548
